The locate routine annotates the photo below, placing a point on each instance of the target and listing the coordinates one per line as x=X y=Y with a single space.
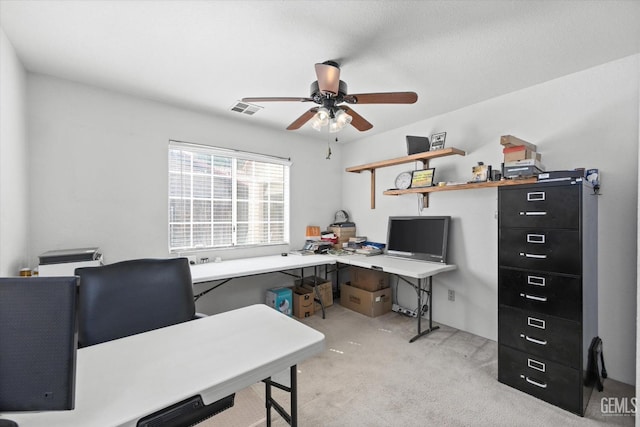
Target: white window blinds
x=225 y=198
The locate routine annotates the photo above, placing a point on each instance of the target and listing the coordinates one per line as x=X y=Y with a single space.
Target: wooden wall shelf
x=424 y=158
x=419 y=157
x=468 y=186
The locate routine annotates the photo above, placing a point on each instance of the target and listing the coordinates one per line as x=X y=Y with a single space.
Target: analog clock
x=341 y=216
x=403 y=181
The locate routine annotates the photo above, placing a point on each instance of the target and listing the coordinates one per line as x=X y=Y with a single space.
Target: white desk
x=273 y=263
x=399 y=266
x=120 y=381
x=230 y=269
x=423 y=271
x=224 y=271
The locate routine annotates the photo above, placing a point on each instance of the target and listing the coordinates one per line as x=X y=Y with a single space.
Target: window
x=222 y=198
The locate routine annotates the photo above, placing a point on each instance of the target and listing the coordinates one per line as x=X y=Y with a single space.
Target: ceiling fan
x=328 y=92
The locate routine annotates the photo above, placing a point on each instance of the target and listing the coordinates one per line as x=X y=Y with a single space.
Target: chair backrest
x=130 y=297
x=37 y=343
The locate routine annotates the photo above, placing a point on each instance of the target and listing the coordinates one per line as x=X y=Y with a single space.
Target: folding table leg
x=428 y=291
x=291 y=419
x=315 y=288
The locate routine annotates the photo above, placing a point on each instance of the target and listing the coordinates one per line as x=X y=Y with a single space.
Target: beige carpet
x=248 y=411
x=370 y=375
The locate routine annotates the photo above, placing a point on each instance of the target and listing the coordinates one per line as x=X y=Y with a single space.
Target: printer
x=65 y=261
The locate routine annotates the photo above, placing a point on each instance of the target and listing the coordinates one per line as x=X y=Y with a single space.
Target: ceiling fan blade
x=328 y=77
x=297 y=123
x=275 y=98
x=357 y=121
x=382 y=98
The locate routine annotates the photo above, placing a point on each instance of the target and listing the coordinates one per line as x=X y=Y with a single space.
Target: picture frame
x=480 y=173
x=437 y=141
x=422 y=178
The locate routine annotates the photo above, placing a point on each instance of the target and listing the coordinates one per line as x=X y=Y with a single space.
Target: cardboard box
x=281 y=299
x=324 y=289
x=512 y=141
x=368 y=279
x=302 y=302
x=313 y=232
x=343 y=234
x=521 y=152
x=370 y=304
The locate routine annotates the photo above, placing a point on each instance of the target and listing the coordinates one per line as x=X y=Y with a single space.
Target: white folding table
x=118 y=382
x=224 y=271
x=421 y=270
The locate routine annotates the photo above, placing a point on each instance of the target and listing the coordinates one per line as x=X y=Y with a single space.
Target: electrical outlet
x=452 y=295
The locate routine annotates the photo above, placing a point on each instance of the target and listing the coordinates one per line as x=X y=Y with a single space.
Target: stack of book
x=355 y=243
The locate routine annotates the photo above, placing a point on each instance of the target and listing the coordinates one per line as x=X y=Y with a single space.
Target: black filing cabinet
x=547 y=289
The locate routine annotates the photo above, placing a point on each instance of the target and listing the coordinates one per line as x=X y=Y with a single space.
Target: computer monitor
x=423 y=238
x=38 y=343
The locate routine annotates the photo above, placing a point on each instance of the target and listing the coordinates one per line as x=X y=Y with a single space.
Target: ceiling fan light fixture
x=321 y=119
x=340 y=120
x=343 y=118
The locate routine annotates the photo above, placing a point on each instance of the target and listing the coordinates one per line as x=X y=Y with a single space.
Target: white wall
x=99 y=176
x=587 y=119
x=100 y=169
x=14 y=162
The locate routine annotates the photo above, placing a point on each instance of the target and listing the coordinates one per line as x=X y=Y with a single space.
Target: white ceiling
x=206 y=55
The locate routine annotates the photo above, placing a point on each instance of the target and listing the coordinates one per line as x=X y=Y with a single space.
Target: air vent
x=246 y=108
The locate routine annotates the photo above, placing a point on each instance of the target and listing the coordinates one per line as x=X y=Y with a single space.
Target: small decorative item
x=437 y=141
x=341 y=217
x=422 y=178
x=480 y=172
x=593 y=177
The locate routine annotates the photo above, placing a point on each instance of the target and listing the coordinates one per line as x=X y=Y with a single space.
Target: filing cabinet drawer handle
x=533 y=297
x=533 y=340
x=536 y=196
x=535 y=383
x=536 y=323
x=533 y=213
x=534 y=364
x=535 y=238
x=535 y=280
x=536 y=256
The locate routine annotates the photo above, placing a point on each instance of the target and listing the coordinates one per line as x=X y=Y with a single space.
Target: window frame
x=235 y=157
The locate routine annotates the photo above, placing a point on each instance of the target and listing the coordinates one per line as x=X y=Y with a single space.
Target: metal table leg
x=428 y=291
x=292 y=418
x=315 y=288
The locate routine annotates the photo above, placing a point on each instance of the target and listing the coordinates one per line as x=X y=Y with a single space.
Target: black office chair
x=131 y=297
